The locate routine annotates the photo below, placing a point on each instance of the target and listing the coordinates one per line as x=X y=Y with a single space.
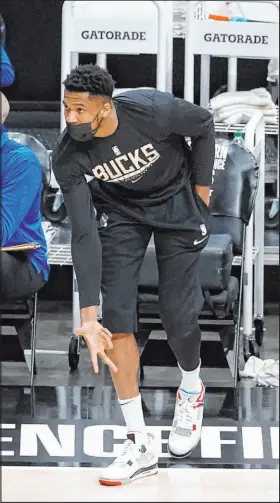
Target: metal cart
x=207 y=37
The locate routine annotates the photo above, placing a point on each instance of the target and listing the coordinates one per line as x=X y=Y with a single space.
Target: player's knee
x=178 y=322
x=180 y=316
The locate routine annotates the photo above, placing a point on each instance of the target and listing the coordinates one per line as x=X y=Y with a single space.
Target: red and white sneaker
x=135 y=462
x=186 y=428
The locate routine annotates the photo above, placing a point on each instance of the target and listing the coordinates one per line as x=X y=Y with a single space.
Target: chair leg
x=33 y=341
x=236 y=349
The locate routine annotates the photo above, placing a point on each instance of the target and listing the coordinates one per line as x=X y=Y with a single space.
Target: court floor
x=49 y=484
x=58 y=435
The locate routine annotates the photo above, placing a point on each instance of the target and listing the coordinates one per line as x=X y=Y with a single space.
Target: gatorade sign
x=115 y=28
x=228 y=39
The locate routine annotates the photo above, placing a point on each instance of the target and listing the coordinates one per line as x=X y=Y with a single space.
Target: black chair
x=22 y=315
x=223 y=295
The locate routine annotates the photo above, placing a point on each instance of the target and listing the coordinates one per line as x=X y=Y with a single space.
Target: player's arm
x=195 y=122
x=85 y=245
x=86 y=248
x=86 y=256
x=85 y=242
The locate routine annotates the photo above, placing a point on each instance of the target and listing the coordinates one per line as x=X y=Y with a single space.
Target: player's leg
x=181 y=301
x=124 y=243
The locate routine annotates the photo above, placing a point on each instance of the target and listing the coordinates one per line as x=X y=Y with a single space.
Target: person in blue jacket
x=7 y=73
x=22 y=273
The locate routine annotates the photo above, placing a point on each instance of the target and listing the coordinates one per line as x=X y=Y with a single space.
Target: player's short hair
x=92 y=79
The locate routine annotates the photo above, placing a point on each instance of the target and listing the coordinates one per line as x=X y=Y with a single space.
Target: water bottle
x=238 y=139
x=235 y=12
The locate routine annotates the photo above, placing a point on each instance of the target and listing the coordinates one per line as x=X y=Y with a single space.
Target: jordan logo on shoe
x=131 y=436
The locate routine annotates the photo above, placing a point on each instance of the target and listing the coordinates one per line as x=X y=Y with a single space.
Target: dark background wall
x=33 y=32
x=33 y=44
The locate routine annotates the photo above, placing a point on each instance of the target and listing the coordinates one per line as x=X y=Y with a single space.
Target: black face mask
x=83 y=132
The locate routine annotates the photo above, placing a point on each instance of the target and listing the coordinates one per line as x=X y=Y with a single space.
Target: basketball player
x=126 y=173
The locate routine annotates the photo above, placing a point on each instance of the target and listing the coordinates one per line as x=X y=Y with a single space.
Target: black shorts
x=180 y=227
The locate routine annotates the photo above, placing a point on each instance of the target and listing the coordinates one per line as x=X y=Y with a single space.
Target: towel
x=268 y=112
x=241 y=115
x=240 y=106
x=263 y=372
x=258 y=97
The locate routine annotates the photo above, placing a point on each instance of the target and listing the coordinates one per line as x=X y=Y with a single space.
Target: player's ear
x=107 y=109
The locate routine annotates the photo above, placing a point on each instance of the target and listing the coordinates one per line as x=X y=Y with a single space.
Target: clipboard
x=22 y=247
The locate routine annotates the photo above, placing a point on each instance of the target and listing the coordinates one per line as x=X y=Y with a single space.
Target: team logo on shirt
x=128 y=167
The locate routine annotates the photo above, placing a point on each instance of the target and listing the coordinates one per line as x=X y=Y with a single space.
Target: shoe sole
x=182 y=456
x=146 y=473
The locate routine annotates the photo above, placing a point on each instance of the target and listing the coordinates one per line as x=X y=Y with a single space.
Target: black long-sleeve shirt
x=143 y=164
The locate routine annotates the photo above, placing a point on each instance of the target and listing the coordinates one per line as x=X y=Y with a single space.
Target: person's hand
x=98 y=339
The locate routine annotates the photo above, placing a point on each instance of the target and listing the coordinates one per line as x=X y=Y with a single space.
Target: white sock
x=134 y=418
x=191 y=382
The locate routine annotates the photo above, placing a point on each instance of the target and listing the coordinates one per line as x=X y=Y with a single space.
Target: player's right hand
x=98 y=339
